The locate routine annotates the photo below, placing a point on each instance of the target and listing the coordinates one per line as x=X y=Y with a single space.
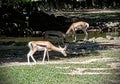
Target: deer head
x=63 y=50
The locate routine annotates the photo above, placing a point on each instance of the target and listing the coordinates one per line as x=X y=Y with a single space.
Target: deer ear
x=59 y=46
x=66 y=45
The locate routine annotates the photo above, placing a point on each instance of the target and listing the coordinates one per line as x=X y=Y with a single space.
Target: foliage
x=15 y=1
x=71 y=4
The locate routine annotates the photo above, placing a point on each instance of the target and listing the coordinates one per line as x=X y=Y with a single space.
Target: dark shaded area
x=29 y=19
x=83 y=48
x=17 y=51
x=24 y=20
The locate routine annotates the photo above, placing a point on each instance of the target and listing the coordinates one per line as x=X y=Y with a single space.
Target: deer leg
x=30 y=54
x=48 y=55
x=45 y=51
x=74 y=36
x=86 y=35
x=33 y=59
x=28 y=57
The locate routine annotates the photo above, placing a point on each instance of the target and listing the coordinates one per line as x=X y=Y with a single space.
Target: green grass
x=55 y=73
x=45 y=74
x=112 y=53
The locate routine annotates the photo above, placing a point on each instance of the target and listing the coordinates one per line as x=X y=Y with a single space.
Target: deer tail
x=87 y=25
x=30 y=45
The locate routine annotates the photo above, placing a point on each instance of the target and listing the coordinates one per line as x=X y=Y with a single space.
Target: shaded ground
x=9 y=54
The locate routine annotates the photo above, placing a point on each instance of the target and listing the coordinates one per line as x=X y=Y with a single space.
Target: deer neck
x=68 y=31
x=56 y=48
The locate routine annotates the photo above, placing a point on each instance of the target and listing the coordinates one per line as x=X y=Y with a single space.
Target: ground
x=98 y=62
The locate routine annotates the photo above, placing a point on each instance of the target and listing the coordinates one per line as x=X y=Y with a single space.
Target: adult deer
x=43 y=46
x=80 y=25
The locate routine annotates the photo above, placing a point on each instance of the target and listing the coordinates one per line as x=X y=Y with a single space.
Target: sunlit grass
x=55 y=73
x=110 y=53
x=45 y=74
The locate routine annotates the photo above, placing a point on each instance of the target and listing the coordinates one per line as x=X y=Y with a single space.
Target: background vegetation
x=69 y=4
x=23 y=18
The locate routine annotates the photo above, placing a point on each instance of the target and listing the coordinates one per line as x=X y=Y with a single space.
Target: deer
x=45 y=46
x=80 y=25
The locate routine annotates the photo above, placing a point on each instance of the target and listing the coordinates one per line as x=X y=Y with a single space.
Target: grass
x=112 y=53
x=55 y=73
x=44 y=74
